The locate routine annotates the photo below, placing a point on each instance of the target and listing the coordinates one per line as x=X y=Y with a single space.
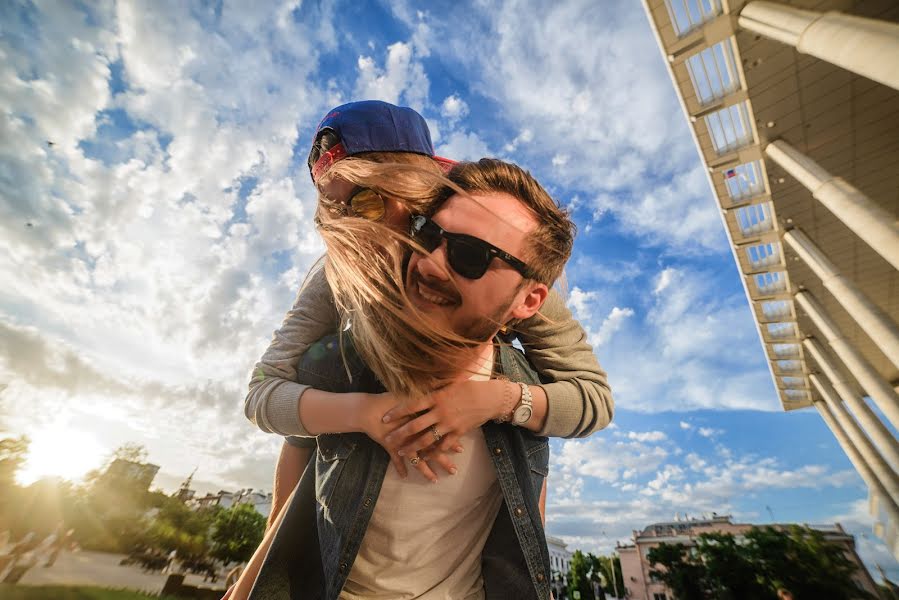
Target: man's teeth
x=431 y=298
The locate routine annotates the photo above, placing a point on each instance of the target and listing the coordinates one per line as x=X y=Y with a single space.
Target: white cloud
x=462 y=145
x=685 y=425
x=647 y=436
x=402 y=79
x=454 y=108
x=608 y=461
x=709 y=432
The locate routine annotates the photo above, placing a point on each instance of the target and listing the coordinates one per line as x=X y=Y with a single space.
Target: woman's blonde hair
x=365 y=267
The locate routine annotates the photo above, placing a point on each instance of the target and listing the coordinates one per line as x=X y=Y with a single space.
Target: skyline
x=151 y=250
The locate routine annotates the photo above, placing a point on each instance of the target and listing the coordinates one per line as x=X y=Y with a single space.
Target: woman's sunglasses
x=468 y=256
x=363 y=203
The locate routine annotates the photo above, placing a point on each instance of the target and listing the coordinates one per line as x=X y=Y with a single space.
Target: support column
x=880 y=391
x=864 y=46
x=859 y=213
x=877 y=430
x=859 y=463
x=879 y=327
x=875 y=461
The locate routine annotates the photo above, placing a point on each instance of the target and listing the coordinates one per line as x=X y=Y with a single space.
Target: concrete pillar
x=886 y=399
x=867 y=47
x=864 y=217
x=874 y=428
x=859 y=463
x=875 y=461
x=879 y=327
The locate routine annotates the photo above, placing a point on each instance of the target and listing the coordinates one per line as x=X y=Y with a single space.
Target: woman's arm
x=274 y=393
x=579 y=400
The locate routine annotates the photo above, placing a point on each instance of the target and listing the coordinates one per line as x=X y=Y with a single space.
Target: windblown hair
x=365 y=264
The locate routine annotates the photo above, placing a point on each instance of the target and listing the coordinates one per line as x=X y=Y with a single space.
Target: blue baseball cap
x=374 y=126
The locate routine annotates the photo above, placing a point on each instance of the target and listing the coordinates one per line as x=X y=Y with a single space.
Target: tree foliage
x=585 y=570
x=176 y=526
x=236 y=533
x=13 y=452
x=610 y=566
x=719 y=566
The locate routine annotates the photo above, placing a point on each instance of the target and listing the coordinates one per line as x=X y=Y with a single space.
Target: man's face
x=475 y=308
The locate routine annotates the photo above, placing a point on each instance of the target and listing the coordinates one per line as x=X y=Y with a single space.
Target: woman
x=351 y=141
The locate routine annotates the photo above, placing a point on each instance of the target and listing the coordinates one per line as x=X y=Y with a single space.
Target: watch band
x=526 y=400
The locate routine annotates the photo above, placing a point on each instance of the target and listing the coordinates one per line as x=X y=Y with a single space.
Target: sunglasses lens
x=427 y=234
x=368 y=204
x=467 y=258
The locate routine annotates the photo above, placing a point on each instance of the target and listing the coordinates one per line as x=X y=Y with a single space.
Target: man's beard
x=482 y=328
x=479 y=328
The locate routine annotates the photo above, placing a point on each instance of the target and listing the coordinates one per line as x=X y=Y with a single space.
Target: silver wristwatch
x=525 y=407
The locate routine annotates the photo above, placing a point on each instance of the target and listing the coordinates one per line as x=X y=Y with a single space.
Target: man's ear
x=535 y=296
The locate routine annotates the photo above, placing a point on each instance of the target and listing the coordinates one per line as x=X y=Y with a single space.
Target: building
x=635 y=567
x=794 y=108
x=559 y=563
x=127 y=473
x=260 y=501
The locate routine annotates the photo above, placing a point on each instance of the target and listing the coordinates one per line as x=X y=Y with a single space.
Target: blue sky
x=170 y=225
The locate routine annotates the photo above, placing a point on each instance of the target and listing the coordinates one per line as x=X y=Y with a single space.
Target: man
x=352 y=529
x=571 y=379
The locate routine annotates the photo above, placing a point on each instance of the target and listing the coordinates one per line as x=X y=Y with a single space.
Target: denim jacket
x=331 y=507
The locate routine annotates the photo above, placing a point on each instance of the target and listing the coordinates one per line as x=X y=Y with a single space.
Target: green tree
x=802 y=561
x=176 y=526
x=685 y=577
x=731 y=571
x=236 y=533
x=13 y=452
x=610 y=566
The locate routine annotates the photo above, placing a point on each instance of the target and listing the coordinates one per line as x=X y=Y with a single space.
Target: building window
x=659 y=597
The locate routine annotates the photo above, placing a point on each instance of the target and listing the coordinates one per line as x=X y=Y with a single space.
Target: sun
x=58 y=451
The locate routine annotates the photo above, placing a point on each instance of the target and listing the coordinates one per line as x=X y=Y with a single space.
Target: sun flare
x=58 y=451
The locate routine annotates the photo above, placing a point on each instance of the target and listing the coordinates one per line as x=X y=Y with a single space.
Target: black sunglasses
x=469 y=256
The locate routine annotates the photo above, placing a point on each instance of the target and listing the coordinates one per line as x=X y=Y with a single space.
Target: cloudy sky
x=155 y=221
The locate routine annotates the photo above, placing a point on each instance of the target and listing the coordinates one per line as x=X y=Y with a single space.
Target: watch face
x=522 y=414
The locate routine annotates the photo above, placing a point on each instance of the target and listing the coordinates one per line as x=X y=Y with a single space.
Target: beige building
x=635 y=566
x=794 y=108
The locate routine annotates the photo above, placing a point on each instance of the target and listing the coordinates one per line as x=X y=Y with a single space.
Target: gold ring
x=414 y=460
x=437 y=436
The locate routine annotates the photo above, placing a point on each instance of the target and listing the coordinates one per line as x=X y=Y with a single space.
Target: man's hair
x=549 y=245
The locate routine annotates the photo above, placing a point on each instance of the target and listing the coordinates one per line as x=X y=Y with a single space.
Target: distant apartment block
x=635 y=566
x=262 y=502
x=121 y=471
x=794 y=109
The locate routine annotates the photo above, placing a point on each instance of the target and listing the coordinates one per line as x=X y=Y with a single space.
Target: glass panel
x=790 y=366
x=686 y=15
x=777 y=309
x=744 y=181
x=763 y=255
x=713 y=72
x=773 y=282
x=782 y=330
x=729 y=128
x=754 y=219
x=785 y=350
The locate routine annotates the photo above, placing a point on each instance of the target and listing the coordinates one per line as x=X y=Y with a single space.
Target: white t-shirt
x=424 y=540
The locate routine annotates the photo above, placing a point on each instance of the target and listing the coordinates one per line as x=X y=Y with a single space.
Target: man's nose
x=434 y=265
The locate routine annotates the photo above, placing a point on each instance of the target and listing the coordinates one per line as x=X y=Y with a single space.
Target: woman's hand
x=372 y=410
x=438 y=420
